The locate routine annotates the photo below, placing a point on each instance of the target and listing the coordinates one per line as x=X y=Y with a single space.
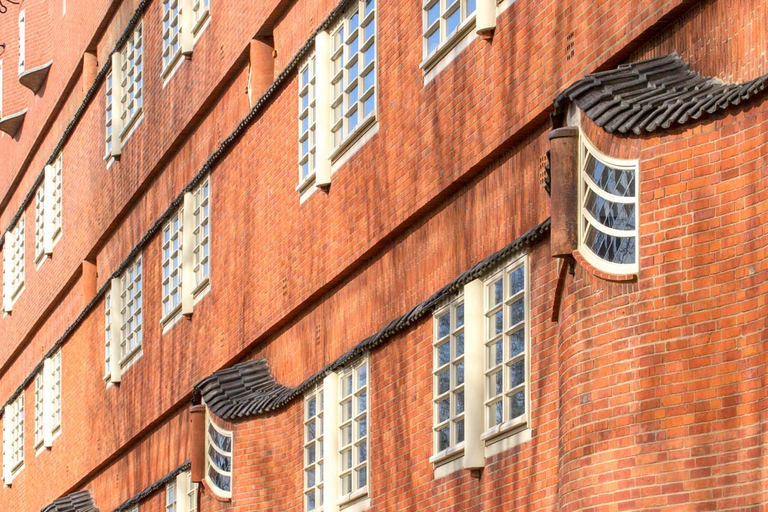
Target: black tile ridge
x=657 y=94
x=207 y=167
x=259 y=401
x=79 y=501
x=151 y=489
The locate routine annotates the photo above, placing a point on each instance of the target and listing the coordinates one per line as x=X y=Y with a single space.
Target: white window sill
x=172 y=68
x=134 y=123
x=358 y=501
x=39 y=260
x=130 y=358
x=201 y=290
x=354 y=142
x=506 y=440
x=201 y=25
x=446 y=52
x=39 y=448
x=171 y=318
x=448 y=454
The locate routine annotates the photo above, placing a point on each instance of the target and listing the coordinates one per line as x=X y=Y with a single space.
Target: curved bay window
x=608 y=211
x=218 y=459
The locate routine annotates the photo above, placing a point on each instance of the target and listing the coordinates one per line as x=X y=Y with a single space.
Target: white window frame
x=495 y=338
x=48 y=210
x=201 y=15
x=22 y=41
x=445 y=8
x=211 y=466
x=13 y=439
x=333 y=445
x=185 y=493
x=454 y=366
x=481 y=439
x=124 y=90
x=14 y=276
x=119 y=301
x=171 y=265
x=171 y=497
x=307 y=122
x=172 y=27
x=586 y=148
x=200 y=219
x=48 y=402
x=314 y=449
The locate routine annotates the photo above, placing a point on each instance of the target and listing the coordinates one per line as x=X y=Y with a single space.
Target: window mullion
x=187 y=25
x=187 y=254
x=117 y=111
x=474 y=374
x=331 y=443
x=116 y=322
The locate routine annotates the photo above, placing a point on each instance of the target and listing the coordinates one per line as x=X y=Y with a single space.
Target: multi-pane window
x=109 y=113
x=191 y=494
x=170 y=497
x=132 y=79
x=131 y=312
x=171 y=32
x=353 y=430
x=13 y=438
x=608 y=210
x=22 y=41
x=218 y=460
x=307 y=121
x=40 y=223
x=449 y=377
x=108 y=335
x=506 y=347
x=54 y=378
x=202 y=235
x=13 y=264
x=172 y=247
x=39 y=408
x=313 y=450
x=353 y=63
x=442 y=19
x=54 y=180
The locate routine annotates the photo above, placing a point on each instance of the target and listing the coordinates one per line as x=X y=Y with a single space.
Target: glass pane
x=460 y=402
x=614 y=181
x=453 y=21
x=362 y=477
x=516 y=343
x=517 y=373
x=433 y=13
x=362 y=453
x=460 y=431
x=443 y=409
x=433 y=40
x=610 y=248
x=362 y=427
x=362 y=402
x=443 y=382
x=310 y=431
x=497 y=292
x=498 y=322
x=517 y=404
x=444 y=325
x=460 y=315
x=443 y=354
x=443 y=438
x=311 y=454
x=362 y=376
x=516 y=312
x=459 y=344
x=613 y=215
x=460 y=373
x=517 y=280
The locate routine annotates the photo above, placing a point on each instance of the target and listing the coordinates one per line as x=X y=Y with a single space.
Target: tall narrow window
x=22 y=41
x=191 y=492
x=218 y=459
x=132 y=79
x=449 y=377
x=172 y=247
x=506 y=348
x=131 y=312
x=109 y=113
x=170 y=497
x=108 y=336
x=13 y=439
x=313 y=450
x=171 y=33
x=54 y=377
x=40 y=223
x=39 y=409
x=202 y=240
x=609 y=213
x=307 y=123
x=13 y=264
x=353 y=82
x=353 y=430
x=54 y=180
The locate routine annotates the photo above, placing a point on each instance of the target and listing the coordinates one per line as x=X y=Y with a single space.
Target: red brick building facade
x=247 y=244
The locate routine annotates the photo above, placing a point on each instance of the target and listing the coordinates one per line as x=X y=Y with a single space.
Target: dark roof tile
x=650 y=95
x=80 y=501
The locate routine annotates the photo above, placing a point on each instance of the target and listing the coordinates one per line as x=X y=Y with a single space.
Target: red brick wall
x=644 y=393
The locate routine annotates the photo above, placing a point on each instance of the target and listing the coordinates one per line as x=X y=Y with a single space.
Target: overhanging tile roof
x=242 y=390
x=249 y=389
x=80 y=501
x=650 y=95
